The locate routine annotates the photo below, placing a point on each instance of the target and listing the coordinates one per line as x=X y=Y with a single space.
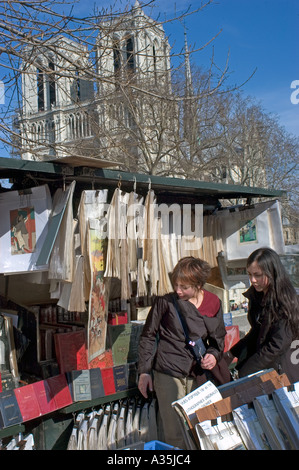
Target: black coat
x=266 y=345
x=170 y=354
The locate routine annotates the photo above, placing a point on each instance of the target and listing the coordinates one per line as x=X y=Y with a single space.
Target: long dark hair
x=280 y=300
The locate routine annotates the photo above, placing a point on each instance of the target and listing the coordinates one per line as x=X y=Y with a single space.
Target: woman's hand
x=145 y=382
x=208 y=361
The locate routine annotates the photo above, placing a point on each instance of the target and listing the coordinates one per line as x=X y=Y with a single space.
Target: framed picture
x=248 y=233
x=24 y=225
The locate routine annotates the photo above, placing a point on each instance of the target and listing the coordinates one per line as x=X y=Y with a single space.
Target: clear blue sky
x=257 y=34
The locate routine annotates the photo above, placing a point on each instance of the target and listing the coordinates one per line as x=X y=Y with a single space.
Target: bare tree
x=110 y=114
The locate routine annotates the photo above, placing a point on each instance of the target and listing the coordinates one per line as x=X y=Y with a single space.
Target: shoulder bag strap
x=182 y=320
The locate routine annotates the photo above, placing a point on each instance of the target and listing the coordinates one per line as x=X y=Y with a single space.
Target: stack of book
x=46 y=396
x=122 y=348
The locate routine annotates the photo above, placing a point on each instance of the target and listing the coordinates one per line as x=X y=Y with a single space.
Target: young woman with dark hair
x=166 y=363
x=273 y=314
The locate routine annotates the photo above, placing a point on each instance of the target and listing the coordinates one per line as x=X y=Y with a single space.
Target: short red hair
x=191 y=271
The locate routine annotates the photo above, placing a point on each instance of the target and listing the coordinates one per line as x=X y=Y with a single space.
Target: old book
x=120 y=377
x=80 y=385
x=71 y=351
x=108 y=380
x=10 y=410
x=124 y=340
x=96 y=383
x=60 y=391
x=104 y=360
x=27 y=402
x=44 y=397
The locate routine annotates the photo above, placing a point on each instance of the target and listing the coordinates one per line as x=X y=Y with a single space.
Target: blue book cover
x=10 y=410
x=120 y=377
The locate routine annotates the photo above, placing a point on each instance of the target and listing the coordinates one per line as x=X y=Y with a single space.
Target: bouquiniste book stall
x=84 y=250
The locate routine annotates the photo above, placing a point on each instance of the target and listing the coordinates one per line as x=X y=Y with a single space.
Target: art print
x=98 y=300
x=23 y=230
x=248 y=233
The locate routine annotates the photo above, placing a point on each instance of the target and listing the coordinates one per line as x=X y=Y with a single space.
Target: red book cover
x=108 y=380
x=44 y=397
x=103 y=361
x=27 y=402
x=71 y=353
x=60 y=391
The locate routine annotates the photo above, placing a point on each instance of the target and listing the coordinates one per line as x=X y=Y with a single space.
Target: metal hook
x=119 y=182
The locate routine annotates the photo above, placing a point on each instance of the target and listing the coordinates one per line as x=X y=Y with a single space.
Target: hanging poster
x=92 y=206
x=99 y=293
x=24 y=224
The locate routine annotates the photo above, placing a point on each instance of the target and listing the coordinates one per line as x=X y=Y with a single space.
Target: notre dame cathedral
x=113 y=101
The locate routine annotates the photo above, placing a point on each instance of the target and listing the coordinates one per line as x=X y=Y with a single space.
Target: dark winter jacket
x=170 y=353
x=266 y=345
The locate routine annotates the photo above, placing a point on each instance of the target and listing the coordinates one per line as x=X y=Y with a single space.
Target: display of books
x=71 y=350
